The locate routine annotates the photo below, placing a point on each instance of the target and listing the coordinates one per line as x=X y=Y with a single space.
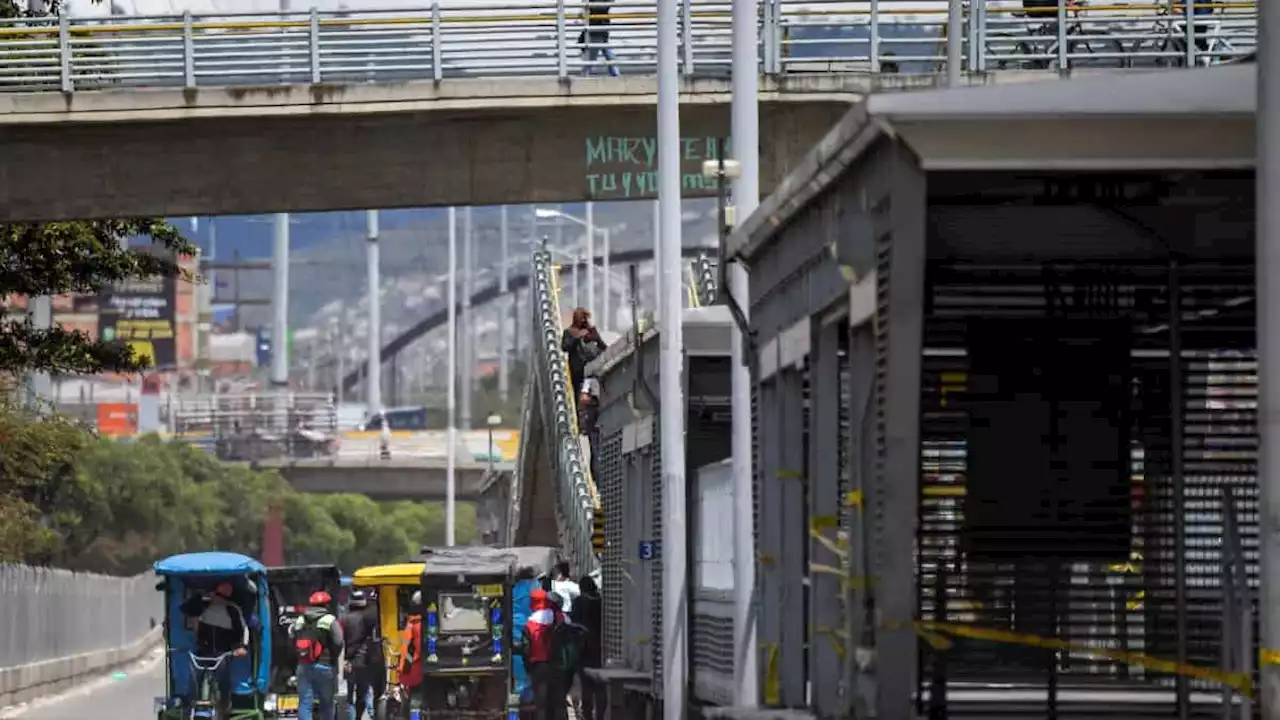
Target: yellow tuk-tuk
x=394 y=586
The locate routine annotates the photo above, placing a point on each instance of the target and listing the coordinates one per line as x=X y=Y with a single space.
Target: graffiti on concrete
x=620 y=167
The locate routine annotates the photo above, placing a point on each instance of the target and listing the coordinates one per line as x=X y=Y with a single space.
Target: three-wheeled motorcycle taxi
x=189 y=583
x=291 y=590
x=467 y=634
x=393 y=587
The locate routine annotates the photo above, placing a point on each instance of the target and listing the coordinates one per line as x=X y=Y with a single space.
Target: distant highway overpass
x=405 y=479
x=515 y=283
x=416 y=479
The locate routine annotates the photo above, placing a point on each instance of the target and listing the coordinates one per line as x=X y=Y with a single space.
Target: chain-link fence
x=47 y=613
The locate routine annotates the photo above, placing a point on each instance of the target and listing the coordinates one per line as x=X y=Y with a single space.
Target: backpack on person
x=566 y=646
x=311 y=639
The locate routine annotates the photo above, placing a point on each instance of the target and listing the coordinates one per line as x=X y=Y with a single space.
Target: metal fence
x=47 y=613
x=491 y=39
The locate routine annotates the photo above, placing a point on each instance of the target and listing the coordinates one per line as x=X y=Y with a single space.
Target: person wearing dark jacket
x=588 y=611
x=595 y=39
x=582 y=343
x=362 y=650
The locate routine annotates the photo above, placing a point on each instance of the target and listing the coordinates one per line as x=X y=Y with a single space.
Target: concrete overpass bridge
x=314 y=110
x=392 y=479
x=421 y=479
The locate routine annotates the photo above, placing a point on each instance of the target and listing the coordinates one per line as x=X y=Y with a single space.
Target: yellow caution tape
x=935 y=633
x=772 y=684
x=835 y=546
x=833 y=635
x=1267 y=656
x=853 y=499
x=943 y=490
x=788 y=474
x=824 y=522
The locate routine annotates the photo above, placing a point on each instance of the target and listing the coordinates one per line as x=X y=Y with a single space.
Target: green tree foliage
x=75 y=257
x=73 y=500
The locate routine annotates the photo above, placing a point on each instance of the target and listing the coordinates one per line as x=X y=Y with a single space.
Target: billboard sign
x=141 y=313
x=117 y=419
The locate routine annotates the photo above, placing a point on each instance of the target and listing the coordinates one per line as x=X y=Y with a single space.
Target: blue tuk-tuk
x=193 y=692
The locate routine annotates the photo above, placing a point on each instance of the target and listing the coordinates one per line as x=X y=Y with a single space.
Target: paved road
x=125 y=696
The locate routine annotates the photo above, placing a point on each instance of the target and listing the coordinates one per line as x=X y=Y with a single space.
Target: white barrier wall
x=57 y=626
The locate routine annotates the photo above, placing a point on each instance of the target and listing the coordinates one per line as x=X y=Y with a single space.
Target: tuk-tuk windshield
x=463 y=613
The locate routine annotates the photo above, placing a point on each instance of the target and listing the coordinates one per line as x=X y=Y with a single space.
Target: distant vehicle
x=402 y=418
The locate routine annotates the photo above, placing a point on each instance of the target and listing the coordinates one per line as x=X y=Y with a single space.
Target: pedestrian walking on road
x=317 y=637
x=588 y=611
x=366 y=670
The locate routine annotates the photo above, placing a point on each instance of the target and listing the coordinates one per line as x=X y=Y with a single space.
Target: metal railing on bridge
x=491 y=39
x=703 y=286
x=259 y=426
x=553 y=399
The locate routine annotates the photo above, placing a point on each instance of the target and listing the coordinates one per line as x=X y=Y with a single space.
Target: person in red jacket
x=410 y=666
x=538 y=646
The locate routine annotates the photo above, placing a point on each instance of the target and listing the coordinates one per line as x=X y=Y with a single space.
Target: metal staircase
x=555 y=498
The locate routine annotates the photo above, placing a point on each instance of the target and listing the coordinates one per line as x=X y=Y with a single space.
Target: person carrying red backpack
x=538 y=646
x=317 y=638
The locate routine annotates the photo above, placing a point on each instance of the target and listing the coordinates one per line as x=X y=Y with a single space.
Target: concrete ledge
x=125 y=105
x=262 y=101
x=22 y=683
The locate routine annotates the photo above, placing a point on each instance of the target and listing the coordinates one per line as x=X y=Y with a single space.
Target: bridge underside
x=537 y=525
x=301 y=148
x=390 y=481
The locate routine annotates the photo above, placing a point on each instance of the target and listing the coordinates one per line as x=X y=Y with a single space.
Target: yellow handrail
x=573 y=401
x=549 y=16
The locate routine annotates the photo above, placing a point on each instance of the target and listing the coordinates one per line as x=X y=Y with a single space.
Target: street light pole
x=657 y=252
x=504 y=317
x=607 y=319
x=375 y=315
x=745 y=131
x=671 y=369
x=577 y=258
x=468 y=325
x=280 y=303
x=492 y=422
x=591 y=259
x=451 y=480
x=1268 y=343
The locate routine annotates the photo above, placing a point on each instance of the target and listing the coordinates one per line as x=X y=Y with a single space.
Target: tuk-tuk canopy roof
x=400 y=573
x=482 y=560
x=303 y=570
x=208 y=563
